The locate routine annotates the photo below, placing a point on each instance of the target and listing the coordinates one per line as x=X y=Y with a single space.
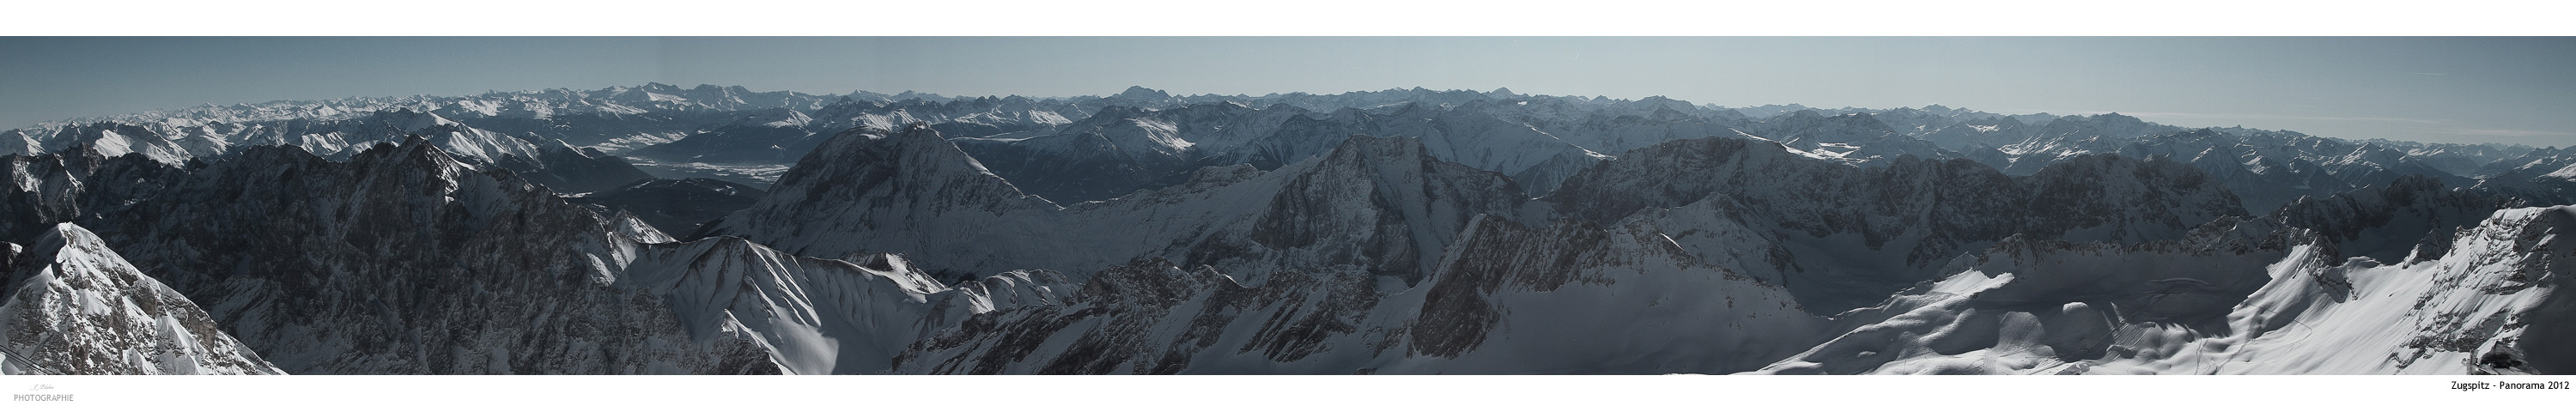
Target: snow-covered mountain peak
x=73 y=306
x=1143 y=94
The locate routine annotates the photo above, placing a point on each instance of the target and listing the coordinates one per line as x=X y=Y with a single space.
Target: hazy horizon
x=2449 y=90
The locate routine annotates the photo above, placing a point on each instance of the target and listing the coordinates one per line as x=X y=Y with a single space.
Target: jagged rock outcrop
x=2410 y=219
x=78 y=182
x=1846 y=236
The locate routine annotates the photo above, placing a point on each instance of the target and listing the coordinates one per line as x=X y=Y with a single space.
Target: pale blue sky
x=2447 y=89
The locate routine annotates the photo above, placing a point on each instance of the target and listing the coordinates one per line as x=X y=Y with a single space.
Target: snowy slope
x=814 y=316
x=1857 y=138
x=2269 y=304
x=2492 y=305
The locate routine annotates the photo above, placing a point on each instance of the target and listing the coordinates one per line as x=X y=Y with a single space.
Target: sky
x=2431 y=89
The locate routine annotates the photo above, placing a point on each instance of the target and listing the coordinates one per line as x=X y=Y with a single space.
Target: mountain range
x=716 y=230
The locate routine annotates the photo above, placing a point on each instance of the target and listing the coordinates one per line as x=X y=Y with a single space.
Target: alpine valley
x=717 y=230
